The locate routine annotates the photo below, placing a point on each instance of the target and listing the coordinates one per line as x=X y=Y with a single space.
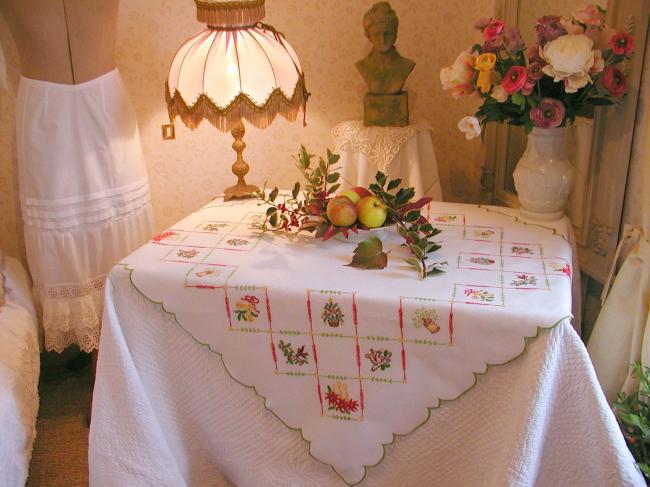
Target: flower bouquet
x=320 y=208
x=573 y=66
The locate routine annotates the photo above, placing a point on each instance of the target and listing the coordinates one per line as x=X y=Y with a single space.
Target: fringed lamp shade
x=236 y=69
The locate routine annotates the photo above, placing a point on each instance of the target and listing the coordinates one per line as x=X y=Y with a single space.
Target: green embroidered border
x=524 y=222
x=395 y=435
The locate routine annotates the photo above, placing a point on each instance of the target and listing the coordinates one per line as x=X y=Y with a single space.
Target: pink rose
x=528 y=87
x=549 y=113
x=549 y=28
x=482 y=23
x=534 y=56
x=494 y=29
x=590 y=16
x=622 y=44
x=615 y=82
x=535 y=71
x=513 y=40
x=514 y=79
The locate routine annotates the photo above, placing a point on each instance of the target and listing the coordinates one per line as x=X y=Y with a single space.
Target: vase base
x=539 y=216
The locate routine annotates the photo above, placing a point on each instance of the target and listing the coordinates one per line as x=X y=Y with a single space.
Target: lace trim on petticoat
x=72 y=314
x=379 y=145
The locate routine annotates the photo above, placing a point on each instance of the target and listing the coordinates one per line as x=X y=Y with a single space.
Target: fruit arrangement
x=320 y=209
x=356 y=206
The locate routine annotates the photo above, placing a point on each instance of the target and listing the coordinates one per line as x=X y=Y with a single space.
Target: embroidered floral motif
x=445 y=218
x=483 y=234
x=563 y=268
x=481 y=260
x=257 y=221
x=479 y=295
x=524 y=280
x=380 y=359
x=426 y=317
x=246 y=308
x=339 y=400
x=298 y=357
x=164 y=235
x=521 y=250
x=187 y=254
x=214 y=227
x=332 y=314
x=208 y=271
x=237 y=242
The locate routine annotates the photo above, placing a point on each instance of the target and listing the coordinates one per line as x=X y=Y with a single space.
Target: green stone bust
x=384 y=70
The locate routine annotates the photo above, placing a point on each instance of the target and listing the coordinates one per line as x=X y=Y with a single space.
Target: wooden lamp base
x=240 y=168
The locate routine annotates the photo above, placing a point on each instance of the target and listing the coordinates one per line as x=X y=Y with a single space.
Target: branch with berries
x=306 y=209
x=412 y=225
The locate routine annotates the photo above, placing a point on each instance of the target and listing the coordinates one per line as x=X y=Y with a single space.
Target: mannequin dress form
x=83 y=185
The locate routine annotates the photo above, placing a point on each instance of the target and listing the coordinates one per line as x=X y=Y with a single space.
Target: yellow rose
x=486 y=61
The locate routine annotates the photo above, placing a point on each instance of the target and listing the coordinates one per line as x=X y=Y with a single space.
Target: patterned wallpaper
x=328 y=37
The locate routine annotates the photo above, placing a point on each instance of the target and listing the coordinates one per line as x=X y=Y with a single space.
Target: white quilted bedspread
x=165 y=412
x=19 y=372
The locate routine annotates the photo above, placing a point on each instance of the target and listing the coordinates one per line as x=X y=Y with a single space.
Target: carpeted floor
x=61 y=448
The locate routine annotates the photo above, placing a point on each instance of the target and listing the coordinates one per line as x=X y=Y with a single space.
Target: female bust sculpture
x=384 y=70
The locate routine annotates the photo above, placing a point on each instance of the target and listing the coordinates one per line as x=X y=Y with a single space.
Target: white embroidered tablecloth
x=399 y=152
x=349 y=357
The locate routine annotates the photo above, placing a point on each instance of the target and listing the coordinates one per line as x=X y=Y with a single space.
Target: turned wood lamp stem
x=240 y=168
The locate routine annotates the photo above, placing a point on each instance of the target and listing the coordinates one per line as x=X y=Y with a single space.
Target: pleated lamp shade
x=236 y=69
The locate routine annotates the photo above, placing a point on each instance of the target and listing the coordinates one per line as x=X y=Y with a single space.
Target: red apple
x=342 y=212
x=362 y=192
x=372 y=212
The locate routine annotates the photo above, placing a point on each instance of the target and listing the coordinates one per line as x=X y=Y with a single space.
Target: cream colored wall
x=328 y=38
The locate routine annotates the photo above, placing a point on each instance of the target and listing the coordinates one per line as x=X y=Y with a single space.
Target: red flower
x=615 y=82
x=622 y=44
x=494 y=29
x=549 y=113
x=514 y=79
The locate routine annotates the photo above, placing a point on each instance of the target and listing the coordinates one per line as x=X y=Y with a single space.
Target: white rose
x=470 y=126
x=499 y=94
x=569 y=58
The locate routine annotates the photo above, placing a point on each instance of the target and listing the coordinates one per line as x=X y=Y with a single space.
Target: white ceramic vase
x=544 y=175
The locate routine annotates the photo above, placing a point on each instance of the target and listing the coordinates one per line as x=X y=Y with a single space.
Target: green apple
x=372 y=212
x=351 y=195
x=342 y=212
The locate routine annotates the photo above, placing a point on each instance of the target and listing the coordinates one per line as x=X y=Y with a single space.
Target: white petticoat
x=84 y=196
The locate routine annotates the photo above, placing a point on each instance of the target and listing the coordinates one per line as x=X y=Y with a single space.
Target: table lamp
x=236 y=69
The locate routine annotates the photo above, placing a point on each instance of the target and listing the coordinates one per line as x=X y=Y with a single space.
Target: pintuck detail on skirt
x=85 y=198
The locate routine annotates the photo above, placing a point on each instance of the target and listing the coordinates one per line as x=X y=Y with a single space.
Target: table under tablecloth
x=283 y=316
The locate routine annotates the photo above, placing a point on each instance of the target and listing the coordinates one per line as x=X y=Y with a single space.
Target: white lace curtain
x=622 y=332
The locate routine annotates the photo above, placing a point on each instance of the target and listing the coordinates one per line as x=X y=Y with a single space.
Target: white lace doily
x=378 y=144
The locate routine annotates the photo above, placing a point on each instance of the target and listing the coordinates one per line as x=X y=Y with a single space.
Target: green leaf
x=412 y=216
x=434 y=270
x=417 y=251
x=519 y=100
x=380 y=177
x=394 y=184
x=404 y=195
x=332 y=158
x=273 y=194
x=296 y=190
x=413 y=262
x=271 y=210
x=332 y=178
x=274 y=220
x=334 y=188
x=369 y=254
